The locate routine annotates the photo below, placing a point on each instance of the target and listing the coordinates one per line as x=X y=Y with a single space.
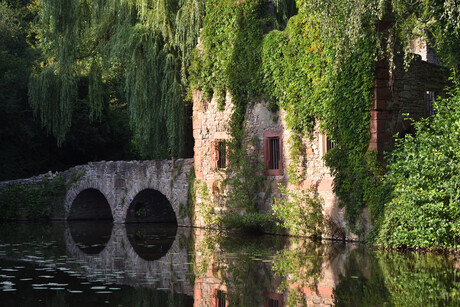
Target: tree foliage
x=149 y=43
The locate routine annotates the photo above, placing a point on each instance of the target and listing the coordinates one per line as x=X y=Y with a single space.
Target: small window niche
x=274 y=300
x=430 y=98
x=325 y=144
x=273 y=153
x=220 y=298
x=220 y=154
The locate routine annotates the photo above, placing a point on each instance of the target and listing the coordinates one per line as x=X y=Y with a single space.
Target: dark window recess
x=274 y=151
x=221 y=154
x=330 y=144
x=430 y=97
x=273 y=303
x=220 y=298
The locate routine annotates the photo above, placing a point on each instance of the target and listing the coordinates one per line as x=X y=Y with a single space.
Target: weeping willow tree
x=148 y=41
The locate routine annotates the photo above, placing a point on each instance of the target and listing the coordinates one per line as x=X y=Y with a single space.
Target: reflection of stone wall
x=311 y=290
x=118 y=263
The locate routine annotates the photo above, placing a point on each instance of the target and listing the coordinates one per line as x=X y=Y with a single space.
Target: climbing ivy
x=228 y=60
x=320 y=69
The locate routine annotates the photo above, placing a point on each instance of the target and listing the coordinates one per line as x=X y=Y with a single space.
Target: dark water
x=102 y=264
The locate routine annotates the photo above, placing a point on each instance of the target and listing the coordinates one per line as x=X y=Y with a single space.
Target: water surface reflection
x=155 y=265
x=89 y=236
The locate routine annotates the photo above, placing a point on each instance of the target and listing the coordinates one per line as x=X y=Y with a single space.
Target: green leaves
x=148 y=43
x=299 y=211
x=425 y=173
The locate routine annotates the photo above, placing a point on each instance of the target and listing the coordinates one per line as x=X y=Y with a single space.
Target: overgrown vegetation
x=299 y=211
x=32 y=201
x=424 y=174
x=320 y=69
x=318 y=66
x=26 y=147
x=229 y=61
x=144 y=46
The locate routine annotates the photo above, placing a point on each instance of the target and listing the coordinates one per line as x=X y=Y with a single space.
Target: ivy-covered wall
x=313 y=85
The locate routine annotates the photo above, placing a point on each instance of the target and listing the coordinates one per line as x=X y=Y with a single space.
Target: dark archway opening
x=150 y=206
x=151 y=241
x=90 y=204
x=91 y=237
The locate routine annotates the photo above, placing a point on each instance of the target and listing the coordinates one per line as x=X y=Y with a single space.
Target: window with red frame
x=273 y=152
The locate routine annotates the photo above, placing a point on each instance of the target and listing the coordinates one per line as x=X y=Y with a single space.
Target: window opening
x=273 y=152
x=221 y=154
x=430 y=97
x=330 y=144
x=220 y=298
x=274 y=160
x=273 y=303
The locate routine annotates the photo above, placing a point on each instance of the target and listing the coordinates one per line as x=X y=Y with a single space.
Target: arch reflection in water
x=91 y=237
x=90 y=204
x=150 y=206
x=153 y=240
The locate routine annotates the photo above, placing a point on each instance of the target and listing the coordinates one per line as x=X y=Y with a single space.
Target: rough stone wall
x=403 y=91
x=210 y=125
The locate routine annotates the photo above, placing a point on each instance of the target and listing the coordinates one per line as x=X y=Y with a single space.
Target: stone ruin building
x=409 y=90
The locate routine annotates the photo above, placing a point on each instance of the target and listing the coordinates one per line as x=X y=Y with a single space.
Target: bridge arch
x=150 y=205
x=90 y=204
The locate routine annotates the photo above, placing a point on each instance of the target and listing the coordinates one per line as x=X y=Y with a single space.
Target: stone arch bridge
x=129 y=191
x=123 y=191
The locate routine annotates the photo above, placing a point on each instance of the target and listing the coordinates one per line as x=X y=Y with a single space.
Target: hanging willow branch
x=151 y=41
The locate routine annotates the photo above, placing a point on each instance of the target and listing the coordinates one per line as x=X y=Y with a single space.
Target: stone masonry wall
x=211 y=125
x=401 y=91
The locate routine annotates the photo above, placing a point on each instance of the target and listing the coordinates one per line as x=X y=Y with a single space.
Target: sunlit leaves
x=425 y=209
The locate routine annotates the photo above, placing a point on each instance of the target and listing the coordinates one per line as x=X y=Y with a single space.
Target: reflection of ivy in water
x=238 y=264
x=420 y=279
x=301 y=265
x=356 y=288
x=397 y=279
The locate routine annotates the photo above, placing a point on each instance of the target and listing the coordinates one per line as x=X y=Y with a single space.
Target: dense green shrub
x=425 y=173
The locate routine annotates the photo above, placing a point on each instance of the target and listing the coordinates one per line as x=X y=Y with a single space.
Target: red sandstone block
x=381 y=115
x=382 y=93
x=381 y=63
x=379 y=103
x=196 y=123
x=381 y=82
x=326 y=185
x=373 y=145
x=198 y=174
